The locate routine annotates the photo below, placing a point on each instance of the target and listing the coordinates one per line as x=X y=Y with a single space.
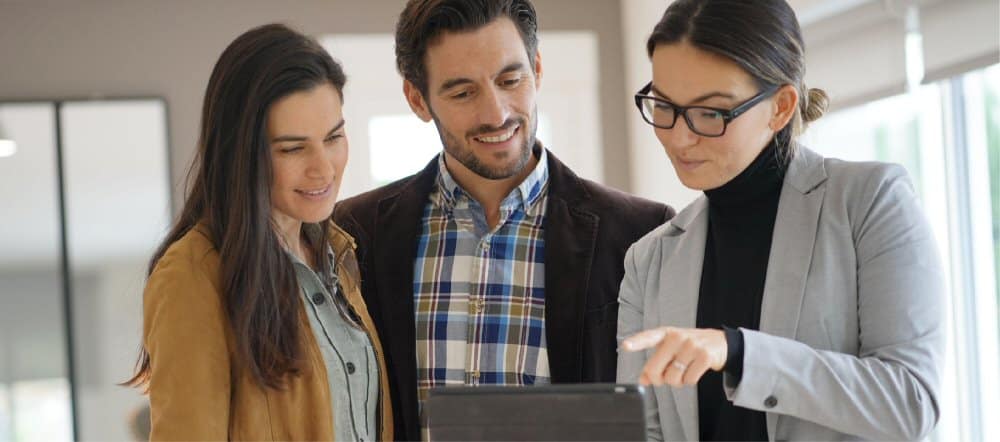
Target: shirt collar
x=329 y=275
x=526 y=194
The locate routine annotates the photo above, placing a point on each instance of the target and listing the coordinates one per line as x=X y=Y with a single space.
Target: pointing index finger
x=645 y=339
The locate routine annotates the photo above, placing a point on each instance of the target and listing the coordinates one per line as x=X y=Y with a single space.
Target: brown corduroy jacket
x=197 y=393
x=588 y=228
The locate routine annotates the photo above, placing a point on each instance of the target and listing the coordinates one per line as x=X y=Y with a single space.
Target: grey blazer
x=851 y=335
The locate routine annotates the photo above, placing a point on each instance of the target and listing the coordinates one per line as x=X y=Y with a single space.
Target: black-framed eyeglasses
x=702 y=120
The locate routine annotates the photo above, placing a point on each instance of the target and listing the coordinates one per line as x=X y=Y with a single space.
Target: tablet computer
x=552 y=412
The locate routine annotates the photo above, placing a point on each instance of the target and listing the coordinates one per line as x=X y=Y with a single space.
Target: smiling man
x=496 y=264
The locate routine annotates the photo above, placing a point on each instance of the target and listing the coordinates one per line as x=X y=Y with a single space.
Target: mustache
x=485 y=129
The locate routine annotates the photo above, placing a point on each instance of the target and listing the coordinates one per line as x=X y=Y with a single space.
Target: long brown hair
x=763 y=37
x=230 y=196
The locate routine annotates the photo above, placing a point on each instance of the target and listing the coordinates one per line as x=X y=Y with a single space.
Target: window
x=85 y=200
x=991 y=108
x=978 y=120
x=23 y=405
x=947 y=136
x=990 y=80
x=5 y=417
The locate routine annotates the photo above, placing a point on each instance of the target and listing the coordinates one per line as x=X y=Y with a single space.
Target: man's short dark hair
x=422 y=21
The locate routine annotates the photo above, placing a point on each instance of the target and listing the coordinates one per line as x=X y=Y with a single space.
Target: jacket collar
x=525 y=195
x=563 y=183
x=340 y=241
x=805 y=173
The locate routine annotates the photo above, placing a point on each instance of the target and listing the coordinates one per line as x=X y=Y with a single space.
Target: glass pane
x=991 y=85
x=990 y=80
x=32 y=324
x=40 y=410
x=6 y=416
x=982 y=117
x=117 y=211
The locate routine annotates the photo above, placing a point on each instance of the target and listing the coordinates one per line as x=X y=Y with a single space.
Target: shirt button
x=771 y=402
x=477 y=305
x=318 y=298
x=350 y=368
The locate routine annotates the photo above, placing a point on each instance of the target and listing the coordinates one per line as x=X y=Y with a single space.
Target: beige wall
x=104 y=48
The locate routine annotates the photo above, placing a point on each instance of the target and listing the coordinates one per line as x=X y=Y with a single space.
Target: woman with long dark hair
x=801 y=297
x=254 y=326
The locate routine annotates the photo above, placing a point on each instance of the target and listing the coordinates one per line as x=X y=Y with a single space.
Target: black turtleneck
x=740 y=225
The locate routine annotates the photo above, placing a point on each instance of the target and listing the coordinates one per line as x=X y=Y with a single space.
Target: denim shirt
x=352 y=370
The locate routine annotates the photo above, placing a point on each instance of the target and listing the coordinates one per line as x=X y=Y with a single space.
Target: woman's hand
x=682 y=355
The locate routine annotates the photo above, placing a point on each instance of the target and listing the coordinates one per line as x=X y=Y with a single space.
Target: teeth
x=314 y=192
x=497 y=139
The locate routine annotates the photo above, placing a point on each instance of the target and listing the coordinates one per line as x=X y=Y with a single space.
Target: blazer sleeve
x=184 y=333
x=888 y=390
x=630 y=321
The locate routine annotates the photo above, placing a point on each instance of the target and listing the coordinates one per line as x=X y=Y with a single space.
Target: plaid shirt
x=480 y=293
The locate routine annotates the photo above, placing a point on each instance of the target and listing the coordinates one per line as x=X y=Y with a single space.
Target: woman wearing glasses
x=254 y=327
x=800 y=297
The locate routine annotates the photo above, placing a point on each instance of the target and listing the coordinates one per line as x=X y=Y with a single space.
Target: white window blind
x=959 y=36
x=858 y=54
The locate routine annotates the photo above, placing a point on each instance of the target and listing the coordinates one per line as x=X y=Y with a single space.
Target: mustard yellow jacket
x=195 y=391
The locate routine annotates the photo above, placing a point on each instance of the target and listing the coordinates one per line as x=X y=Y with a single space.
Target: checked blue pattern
x=480 y=293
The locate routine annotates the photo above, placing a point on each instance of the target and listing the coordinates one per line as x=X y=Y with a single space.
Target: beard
x=458 y=149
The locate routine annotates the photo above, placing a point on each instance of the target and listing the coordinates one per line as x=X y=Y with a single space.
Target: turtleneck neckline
x=741 y=220
x=761 y=178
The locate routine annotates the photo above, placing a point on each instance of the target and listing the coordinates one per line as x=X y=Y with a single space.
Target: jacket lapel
x=570 y=238
x=344 y=249
x=395 y=249
x=681 y=272
x=792 y=249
